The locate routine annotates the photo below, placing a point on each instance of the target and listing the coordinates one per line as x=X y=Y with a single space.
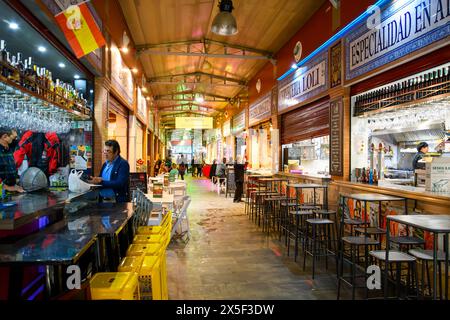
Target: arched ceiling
x=182 y=57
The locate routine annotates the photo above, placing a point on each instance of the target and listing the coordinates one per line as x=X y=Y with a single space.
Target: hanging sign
x=394 y=31
x=194 y=122
x=142 y=105
x=259 y=111
x=226 y=128
x=239 y=122
x=306 y=82
x=121 y=77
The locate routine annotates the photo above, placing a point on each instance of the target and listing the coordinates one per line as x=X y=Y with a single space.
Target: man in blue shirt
x=114 y=176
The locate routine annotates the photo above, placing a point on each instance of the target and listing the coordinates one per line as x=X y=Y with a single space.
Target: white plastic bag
x=76 y=184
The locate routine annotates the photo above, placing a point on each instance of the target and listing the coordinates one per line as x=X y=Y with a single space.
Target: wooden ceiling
x=264 y=26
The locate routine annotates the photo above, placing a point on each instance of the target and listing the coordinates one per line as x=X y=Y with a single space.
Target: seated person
x=221 y=167
x=173 y=174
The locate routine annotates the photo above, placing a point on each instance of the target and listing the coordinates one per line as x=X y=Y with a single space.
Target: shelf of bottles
x=25 y=79
x=430 y=86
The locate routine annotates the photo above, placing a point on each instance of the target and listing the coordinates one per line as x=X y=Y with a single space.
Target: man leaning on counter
x=8 y=172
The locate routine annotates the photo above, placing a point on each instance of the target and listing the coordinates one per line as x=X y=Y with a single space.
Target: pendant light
x=224 y=23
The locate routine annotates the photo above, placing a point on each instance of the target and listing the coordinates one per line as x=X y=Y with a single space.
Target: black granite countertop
x=29 y=206
x=65 y=241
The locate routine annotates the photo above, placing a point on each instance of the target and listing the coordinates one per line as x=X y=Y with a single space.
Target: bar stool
x=398 y=258
x=319 y=242
x=355 y=243
x=424 y=256
x=297 y=227
x=272 y=201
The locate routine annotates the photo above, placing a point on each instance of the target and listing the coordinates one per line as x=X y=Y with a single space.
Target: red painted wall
x=312 y=34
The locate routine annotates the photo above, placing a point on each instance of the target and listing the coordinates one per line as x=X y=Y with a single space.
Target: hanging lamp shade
x=224 y=23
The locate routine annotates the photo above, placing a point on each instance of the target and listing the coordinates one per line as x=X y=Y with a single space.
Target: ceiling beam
x=189 y=105
x=195 y=78
x=241 y=52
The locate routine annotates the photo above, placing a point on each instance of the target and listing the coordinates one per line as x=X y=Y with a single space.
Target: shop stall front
x=262 y=138
x=48 y=101
x=238 y=132
x=228 y=145
x=305 y=116
x=399 y=103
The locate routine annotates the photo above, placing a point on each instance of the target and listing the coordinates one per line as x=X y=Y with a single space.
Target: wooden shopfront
x=395 y=95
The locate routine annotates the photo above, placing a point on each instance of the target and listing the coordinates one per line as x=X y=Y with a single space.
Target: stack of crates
x=115 y=286
x=144 y=265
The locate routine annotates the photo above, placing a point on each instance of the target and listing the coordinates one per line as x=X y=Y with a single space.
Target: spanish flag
x=80 y=29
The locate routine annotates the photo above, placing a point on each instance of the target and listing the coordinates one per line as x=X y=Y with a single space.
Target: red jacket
x=51 y=146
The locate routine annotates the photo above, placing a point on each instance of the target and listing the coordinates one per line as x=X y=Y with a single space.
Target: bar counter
x=426 y=201
x=310 y=177
x=31 y=206
x=93 y=236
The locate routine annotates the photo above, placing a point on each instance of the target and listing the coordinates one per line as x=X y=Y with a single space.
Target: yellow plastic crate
x=150 y=278
x=149 y=238
x=114 y=286
x=166 y=222
x=163 y=267
x=151 y=249
x=131 y=264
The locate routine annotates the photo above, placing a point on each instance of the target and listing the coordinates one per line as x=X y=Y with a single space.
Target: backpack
x=42 y=151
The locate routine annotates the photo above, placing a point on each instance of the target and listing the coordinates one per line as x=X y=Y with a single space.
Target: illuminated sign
x=306 y=82
x=226 y=128
x=261 y=110
x=194 y=122
x=399 y=29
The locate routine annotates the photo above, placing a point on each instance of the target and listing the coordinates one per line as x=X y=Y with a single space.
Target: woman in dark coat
x=213 y=169
x=239 y=170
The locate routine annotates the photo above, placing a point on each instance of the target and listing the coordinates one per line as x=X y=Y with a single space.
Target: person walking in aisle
x=182 y=170
x=193 y=166
x=239 y=171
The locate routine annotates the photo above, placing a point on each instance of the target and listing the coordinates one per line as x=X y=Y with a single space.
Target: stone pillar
x=132 y=142
x=102 y=88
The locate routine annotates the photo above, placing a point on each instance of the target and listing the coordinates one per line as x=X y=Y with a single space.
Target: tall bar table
x=436 y=224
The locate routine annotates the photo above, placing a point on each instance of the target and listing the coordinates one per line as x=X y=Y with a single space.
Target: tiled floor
x=229 y=257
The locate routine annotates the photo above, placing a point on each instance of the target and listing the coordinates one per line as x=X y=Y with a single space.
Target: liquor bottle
x=14 y=75
x=370 y=176
x=438 y=82
x=363 y=175
x=375 y=177
x=21 y=67
x=3 y=59
x=3 y=51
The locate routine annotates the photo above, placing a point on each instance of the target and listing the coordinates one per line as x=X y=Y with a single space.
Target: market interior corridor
x=229 y=257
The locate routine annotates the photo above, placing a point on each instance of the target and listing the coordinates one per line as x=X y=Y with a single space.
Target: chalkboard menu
x=336 y=137
x=138 y=180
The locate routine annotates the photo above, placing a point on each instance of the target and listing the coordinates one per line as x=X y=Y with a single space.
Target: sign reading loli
x=398 y=29
x=306 y=82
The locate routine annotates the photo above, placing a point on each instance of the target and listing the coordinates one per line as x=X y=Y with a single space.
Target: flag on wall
x=80 y=29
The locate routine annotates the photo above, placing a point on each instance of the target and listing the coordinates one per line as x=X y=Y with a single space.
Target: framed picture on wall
x=336 y=65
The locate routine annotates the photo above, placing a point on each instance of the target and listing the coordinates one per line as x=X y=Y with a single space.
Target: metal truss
x=196 y=78
x=204 y=48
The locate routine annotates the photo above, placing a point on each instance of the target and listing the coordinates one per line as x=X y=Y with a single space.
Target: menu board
x=157 y=190
x=166 y=180
x=336 y=137
x=138 y=180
